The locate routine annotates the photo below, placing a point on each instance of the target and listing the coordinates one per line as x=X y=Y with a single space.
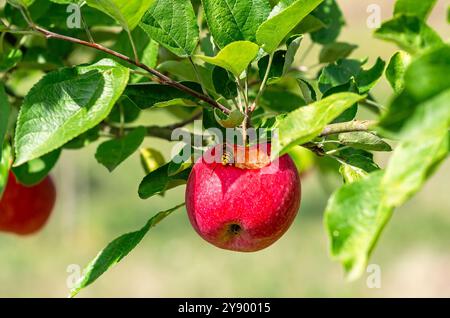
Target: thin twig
x=351 y=126
x=166 y=131
x=133 y=46
x=86 y=29
x=373 y=106
x=18 y=31
x=332 y=152
x=144 y=74
x=245 y=109
x=340 y=160
x=241 y=90
x=263 y=85
x=122 y=120
x=197 y=75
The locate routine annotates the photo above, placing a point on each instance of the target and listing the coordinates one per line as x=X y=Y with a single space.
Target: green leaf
x=233 y=120
x=125 y=111
x=279 y=100
x=66 y=1
x=209 y=121
x=347 y=153
x=357 y=167
x=115 y=251
x=409 y=33
x=427 y=76
x=159 y=181
x=9 y=59
x=64 y=104
x=344 y=71
x=84 y=139
x=304 y=159
x=272 y=32
x=235 y=57
x=334 y=51
x=112 y=153
x=354 y=218
x=151 y=159
x=420 y=9
x=425 y=79
x=351 y=173
x=351 y=112
x=127 y=12
x=173 y=24
x=5 y=165
x=34 y=171
x=147 y=50
x=309 y=24
x=223 y=83
x=293 y=44
x=147 y=95
x=421 y=119
x=306 y=123
x=331 y=15
x=424 y=145
x=181 y=164
x=235 y=20
x=276 y=69
x=367 y=79
x=5 y=110
x=364 y=140
x=339 y=73
x=150 y=54
x=21 y=3
x=413 y=162
x=395 y=72
x=308 y=91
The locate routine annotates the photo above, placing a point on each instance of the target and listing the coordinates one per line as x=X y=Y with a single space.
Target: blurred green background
x=94 y=207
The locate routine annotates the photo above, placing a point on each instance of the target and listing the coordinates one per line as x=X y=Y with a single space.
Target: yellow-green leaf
x=235 y=57
x=127 y=12
x=306 y=123
x=272 y=32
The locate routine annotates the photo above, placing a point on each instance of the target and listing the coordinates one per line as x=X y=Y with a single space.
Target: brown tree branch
x=350 y=126
x=166 y=132
x=183 y=123
x=163 y=79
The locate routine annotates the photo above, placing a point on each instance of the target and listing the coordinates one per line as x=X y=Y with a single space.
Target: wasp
x=227 y=155
x=227 y=158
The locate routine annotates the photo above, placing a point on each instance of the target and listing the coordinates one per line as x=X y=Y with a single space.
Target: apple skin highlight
x=25 y=210
x=243 y=210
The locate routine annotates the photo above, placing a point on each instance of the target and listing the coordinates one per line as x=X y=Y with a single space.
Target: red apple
x=25 y=210
x=243 y=209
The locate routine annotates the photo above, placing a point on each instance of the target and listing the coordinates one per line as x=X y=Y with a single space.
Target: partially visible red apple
x=25 y=210
x=243 y=209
